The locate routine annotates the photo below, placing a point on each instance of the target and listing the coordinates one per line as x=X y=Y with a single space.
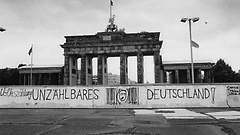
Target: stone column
x=199 y=75
x=28 y=79
x=188 y=76
x=157 y=67
x=49 y=78
x=105 y=75
x=212 y=76
x=88 y=70
x=207 y=76
x=83 y=70
x=24 y=79
x=34 y=79
x=20 y=81
x=140 y=68
x=66 y=76
x=123 y=69
x=165 y=76
x=161 y=70
x=176 y=76
x=73 y=70
x=102 y=70
x=59 y=78
x=39 y=79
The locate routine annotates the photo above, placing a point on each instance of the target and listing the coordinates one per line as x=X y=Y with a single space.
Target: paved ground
x=194 y=121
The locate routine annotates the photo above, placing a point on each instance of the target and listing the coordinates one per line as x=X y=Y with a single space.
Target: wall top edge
x=135 y=85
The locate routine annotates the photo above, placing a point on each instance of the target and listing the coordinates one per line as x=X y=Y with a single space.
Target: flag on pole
x=111 y=2
x=194 y=44
x=30 y=51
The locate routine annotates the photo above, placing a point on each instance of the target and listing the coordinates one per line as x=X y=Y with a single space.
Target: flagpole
x=190 y=33
x=110 y=9
x=31 y=65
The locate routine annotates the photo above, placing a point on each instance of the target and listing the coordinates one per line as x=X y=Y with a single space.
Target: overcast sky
x=44 y=23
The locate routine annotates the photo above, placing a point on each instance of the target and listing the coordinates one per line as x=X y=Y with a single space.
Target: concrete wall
x=137 y=96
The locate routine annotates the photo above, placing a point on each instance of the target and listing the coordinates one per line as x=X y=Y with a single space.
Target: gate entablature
x=110 y=44
x=113 y=43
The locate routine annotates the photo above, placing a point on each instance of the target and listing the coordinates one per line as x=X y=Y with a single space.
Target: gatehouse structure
x=180 y=71
x=111 y=43
x=41 y=75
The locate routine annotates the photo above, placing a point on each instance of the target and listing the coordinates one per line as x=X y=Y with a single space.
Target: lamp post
x=184 y=20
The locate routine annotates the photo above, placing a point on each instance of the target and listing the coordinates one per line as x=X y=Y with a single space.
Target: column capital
x=66 y=55
x=156 y=52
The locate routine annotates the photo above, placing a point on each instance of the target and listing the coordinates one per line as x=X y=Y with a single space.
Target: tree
x=9 y=76
x=224 y=73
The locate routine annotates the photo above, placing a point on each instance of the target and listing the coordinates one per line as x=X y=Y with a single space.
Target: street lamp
x=184 y=20
x=2 y=29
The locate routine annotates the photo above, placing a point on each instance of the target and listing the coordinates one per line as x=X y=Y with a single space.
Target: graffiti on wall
x=51 y=93
x=233 y=90
x=126 y=96
x=117 y=96
x=63 y=94
x=9 y=92
x=180 y=93
x=233 y=94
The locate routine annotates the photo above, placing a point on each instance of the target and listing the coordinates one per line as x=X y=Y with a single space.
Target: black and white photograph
x=119 y=67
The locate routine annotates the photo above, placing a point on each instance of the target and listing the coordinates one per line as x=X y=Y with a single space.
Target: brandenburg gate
x=110 y=43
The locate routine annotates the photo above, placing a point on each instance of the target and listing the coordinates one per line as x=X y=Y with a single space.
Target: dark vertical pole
x=190 y=34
